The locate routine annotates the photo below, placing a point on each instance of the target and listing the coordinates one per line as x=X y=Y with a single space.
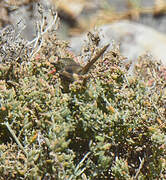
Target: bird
x=69 y=70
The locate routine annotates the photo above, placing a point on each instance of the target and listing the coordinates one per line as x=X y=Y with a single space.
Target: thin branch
x=38 y=41
x=15 y=137
x=139 y=169
x=79 y=166
x=55 y=20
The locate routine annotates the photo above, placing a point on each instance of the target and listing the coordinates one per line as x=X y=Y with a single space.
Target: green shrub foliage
x=110 y=127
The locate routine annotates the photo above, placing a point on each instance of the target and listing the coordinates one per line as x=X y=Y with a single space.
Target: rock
x=134 y=39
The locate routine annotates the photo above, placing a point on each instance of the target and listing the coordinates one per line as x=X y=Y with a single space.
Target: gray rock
x=134 y=39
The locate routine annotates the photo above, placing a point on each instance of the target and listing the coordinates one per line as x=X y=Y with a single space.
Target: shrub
x=111 y=127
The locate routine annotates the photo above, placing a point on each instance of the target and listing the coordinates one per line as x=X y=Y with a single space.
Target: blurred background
x=138 y=26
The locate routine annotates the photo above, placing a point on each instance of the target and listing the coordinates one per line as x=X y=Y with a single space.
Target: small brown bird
x=69 y=69
x=67 y=66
